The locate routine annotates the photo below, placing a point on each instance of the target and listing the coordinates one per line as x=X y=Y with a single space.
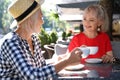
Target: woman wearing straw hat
x=20 y=52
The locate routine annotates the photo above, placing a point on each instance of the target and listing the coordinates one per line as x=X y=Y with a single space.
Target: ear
x=100 y=22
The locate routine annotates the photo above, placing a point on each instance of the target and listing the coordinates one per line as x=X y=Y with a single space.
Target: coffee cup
x=93 y=49
x=85 y=51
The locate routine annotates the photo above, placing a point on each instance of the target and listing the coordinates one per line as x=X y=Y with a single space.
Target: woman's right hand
x=69 y=59
x=74 y=56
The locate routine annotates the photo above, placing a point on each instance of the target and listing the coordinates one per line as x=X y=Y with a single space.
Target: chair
x=116 y=48
x=59 y=50
x=63 y=42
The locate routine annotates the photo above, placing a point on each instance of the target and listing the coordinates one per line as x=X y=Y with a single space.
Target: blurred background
x=65 y=16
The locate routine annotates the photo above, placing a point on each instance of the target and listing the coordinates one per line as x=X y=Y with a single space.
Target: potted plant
x=53 y=37
x=46 y=40
x=44 y=37
x=64 y=35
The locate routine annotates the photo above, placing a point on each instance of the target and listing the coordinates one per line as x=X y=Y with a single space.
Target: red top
x=102 y=41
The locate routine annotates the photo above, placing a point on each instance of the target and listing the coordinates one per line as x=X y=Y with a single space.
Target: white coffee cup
x=85 y=51
x=93 y=49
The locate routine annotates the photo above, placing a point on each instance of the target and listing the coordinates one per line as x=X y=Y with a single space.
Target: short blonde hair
x=100 y=14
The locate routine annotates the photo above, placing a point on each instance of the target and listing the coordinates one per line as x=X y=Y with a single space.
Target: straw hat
x=22 y=9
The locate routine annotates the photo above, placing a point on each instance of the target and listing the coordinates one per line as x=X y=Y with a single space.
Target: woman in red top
x=94 y=20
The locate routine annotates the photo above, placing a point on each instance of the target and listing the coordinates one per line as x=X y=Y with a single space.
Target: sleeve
x=22 y=63
x=73 y=43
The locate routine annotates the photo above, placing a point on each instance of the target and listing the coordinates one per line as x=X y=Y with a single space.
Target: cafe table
x=105 y=71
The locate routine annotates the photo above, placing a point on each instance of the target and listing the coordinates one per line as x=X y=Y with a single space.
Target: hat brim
x=15 y=23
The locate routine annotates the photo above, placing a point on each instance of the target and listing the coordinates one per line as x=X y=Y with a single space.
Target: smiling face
x=91 y=20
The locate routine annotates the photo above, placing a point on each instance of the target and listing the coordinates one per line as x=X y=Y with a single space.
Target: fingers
x=78 y=52
x=106 y=58
x=75 y=55
x=83 y=46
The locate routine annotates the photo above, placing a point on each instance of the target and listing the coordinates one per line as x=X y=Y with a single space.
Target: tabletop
x=105 y=71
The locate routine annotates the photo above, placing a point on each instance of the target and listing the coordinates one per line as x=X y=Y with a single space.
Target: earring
x=99 y=28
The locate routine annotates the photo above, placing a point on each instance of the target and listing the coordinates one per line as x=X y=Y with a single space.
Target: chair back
x=116 y=48
x=60 y=49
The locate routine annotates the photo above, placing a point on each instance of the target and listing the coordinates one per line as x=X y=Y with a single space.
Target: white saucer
x=74 y=67
x=93 y=60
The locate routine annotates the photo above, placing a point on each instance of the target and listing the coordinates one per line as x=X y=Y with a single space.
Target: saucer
x=74 y=67
x=93 y=60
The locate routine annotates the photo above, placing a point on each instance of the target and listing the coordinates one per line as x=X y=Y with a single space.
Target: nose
x=42 y=20
x=86 y=23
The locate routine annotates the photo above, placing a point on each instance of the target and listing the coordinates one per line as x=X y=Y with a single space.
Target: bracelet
x=113 y=59
x=116 y=60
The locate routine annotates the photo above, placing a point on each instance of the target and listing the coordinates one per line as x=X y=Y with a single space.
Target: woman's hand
x=108 y=58
x=74 y=56
x=69 y=59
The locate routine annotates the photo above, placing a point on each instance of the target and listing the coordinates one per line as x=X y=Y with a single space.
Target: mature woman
x=94 y=23
x=20 y=50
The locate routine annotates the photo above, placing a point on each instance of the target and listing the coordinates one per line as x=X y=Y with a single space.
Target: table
x=106 y=72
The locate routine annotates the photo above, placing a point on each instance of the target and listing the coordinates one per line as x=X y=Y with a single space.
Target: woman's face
x=90 y=21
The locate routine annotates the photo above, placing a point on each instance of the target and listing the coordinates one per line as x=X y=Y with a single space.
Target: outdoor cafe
x=91 y=69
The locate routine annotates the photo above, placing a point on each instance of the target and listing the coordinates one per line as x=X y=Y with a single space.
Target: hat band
x=29 y=10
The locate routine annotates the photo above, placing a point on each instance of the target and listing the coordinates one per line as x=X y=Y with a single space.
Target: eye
x=92 y=20
x=84 y=19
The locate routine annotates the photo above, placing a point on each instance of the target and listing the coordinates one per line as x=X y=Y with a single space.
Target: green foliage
x=51 y=20
x=69 y=34
x=5 y=18
x=55 y=15
x=64 y=35
x=53 y=37
x=45 y=38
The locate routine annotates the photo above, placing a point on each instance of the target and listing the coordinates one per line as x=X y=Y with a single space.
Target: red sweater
x=101 y=40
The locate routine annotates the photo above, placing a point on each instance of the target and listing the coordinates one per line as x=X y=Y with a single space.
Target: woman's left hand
x=106 y=58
